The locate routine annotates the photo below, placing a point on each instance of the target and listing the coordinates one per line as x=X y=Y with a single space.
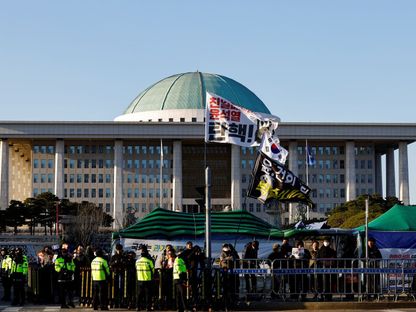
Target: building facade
x=155 y=155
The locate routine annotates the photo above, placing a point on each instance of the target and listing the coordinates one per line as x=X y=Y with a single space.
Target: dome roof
x=187 y=91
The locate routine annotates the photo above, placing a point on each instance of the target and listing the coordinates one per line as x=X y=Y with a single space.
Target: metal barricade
x=255 y=279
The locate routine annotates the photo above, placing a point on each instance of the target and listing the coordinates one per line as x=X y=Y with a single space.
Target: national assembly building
x=154 y=154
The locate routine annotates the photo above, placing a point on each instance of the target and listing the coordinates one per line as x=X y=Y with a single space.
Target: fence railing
x=251 y=279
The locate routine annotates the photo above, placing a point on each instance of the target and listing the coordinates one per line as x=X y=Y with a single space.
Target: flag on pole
x=272 y=180
x=271 y=147
x=310 y=159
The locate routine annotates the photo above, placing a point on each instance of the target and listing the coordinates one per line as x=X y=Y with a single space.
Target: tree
x=87 y=222
x=49 y=202
x=16 y=214
x=35 y=213
x=352 y=213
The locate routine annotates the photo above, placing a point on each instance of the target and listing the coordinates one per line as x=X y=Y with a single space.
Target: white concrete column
x=378 y=174
x=4 y=174
x=350 y=185
x=293 y=166
x=235 y=177
x=118 y=213
x=390 y=176
x=403 y=174
x=177 y=176
x=59 y=168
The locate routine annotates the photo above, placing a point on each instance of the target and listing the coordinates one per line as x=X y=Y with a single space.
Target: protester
x=373 y=280
x=312 y=265
x=130 y=279
x=196 y=267
x=250 y=262
x=167 y=263
x=300 y=283
x=275 y=258
x=228 y=261
x=327 y=280
x=117 y=266
x=81 y=263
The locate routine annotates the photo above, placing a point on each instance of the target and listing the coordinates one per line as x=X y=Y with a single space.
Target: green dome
x=187 y=91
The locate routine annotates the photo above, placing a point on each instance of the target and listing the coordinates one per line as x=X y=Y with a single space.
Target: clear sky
x=330 y=61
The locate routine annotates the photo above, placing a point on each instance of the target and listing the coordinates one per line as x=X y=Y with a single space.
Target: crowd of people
x=132 y=274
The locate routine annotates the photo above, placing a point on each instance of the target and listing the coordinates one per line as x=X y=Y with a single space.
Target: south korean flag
x=271 y=147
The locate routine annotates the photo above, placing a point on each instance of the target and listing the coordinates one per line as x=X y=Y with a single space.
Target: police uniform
x=145 y=270
x=65 y=267
x=6 y=266
x=19 y=268
x=100 y=272
x=179 y=278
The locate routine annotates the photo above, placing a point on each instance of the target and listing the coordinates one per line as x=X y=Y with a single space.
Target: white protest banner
x=226 y=122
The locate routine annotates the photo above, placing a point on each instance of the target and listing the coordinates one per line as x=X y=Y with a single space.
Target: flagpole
x=161 y=174
x=307 y=174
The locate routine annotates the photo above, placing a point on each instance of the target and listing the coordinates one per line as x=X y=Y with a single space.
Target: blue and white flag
x=309 y=157
x=271 y=147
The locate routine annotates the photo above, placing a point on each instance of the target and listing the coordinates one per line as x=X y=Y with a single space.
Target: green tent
x=167 y=224
x=394 y=230
x=398 y=218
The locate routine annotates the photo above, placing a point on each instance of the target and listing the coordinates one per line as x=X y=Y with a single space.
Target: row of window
x=144 y=178
x=336 y=164
x=321 y=150
x=101 y=149
x=37 y=191
x=338 y=193
x=43 y=163
x=103 y=163
x=145 y=149
x=106 y=193
x=334 y=150
x=140 y=207
x=87 y=178
x=259 y=207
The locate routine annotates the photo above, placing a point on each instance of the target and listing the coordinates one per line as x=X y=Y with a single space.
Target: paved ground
x=264 y=306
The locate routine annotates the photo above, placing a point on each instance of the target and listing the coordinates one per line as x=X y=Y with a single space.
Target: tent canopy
x=167 y=224
x=397 y=218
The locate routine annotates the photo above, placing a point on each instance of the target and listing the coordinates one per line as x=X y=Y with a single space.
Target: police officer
x=179 y=278
x=65 y=267
x=6 y=263
x=100 y=273
x=145 y=269
x=19 y=267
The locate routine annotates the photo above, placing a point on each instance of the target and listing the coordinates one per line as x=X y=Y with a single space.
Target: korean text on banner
x=226 y=122
x=272 y=180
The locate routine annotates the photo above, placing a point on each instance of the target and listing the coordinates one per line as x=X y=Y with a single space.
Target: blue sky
x=337 y=61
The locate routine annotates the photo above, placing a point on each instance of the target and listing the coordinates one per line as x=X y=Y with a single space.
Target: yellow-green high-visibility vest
x=179 y=267
x=145 y=269
x=60 y=264
x=20 y=267
x=99 y=269
x=6 y=265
